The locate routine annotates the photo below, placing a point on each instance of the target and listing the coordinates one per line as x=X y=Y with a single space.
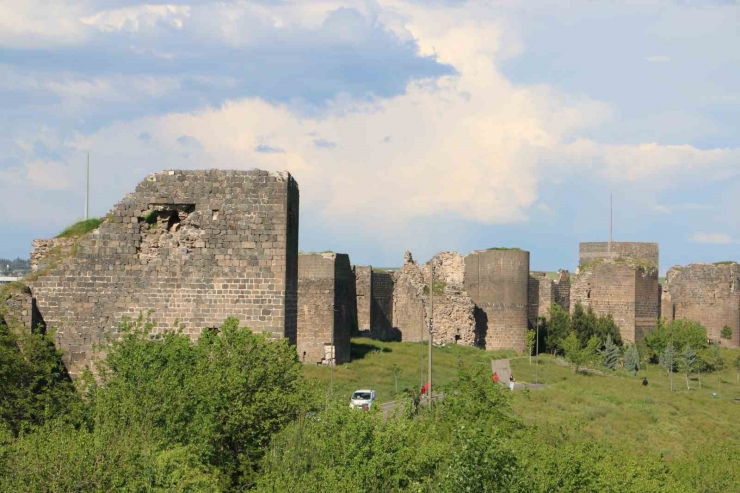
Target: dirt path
x=503 y=368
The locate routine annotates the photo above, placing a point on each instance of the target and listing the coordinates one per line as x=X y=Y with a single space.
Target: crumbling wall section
x=454 y=321
x=497 y=280
x=194 y=247
x=47 y=253
x=708 y=294
x=561 y=288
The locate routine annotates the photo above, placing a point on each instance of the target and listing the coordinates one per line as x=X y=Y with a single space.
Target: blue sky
x=409 y=124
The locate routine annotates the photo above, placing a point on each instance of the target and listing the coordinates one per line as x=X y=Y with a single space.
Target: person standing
x=511 y=382
x=495 y=377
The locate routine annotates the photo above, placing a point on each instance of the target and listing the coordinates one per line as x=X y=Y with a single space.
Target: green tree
x=586 y=324
x=610 y=354
x=687 y=363
x=632 y=359
x=726 y=333
x=736 y=362
x=716 y=361
x=531 y=339
x=682 y=332
x=578 y=355
x=668 y=360
x=395 y=370
x=558 y=328
x=34 y=385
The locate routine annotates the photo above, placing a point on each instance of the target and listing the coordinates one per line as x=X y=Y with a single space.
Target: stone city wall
x=627 y=291
x=46 y=253
x=381 y=307
x=708 y=294
x=363 y=287
x=454 y=320
x=498 y=281
x=619 y=249
x=195 y=247
x=326 y=308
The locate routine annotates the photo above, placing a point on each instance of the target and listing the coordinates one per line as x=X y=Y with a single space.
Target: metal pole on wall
x=421 y=385
x=431 y=330
x=87 y=186
x=537 y=352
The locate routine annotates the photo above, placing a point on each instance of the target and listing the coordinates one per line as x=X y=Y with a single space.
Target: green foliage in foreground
x=167 y=412
x=81 y=228
x=232 y=413
x=680 y=332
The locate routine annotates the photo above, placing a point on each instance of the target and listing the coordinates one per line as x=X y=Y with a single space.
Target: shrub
x=726 y=333
x=578 y=355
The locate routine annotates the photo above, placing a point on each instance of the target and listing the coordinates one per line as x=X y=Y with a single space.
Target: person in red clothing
x=495 y=377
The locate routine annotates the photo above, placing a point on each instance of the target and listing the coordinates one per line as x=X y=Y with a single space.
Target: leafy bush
x=34 y=386
x=726 y=333
x=682 y=332
x=557 y=328
x=81 y=228
x=578 y=355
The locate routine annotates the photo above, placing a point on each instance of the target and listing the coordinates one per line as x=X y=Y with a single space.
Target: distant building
x=8 y=279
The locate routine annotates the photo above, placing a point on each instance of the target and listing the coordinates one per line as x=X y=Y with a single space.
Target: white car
x=362 y=399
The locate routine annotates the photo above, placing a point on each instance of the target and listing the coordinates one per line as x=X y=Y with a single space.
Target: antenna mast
x=611 y=221
x=87 y=185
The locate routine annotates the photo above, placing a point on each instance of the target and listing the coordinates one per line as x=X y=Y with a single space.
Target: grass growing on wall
x=80 y=228
x=504 y=248
x=725 y=262
x=439 y=287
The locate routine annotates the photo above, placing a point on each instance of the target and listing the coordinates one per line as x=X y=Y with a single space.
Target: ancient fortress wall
x=326 y=307
x=192 y=246
x=45 y=252
x=706 y=293
x=544 y=291
x=363 y=287
x=381 y=307
x=497 y=281
x=619 y=249
x=454 y=321
x=627 y=291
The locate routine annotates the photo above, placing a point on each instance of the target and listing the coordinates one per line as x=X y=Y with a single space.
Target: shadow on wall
x=481 y=327
x=359 y=350
x=381 y=327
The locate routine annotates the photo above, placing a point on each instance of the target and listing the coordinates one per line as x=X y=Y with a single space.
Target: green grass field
x=614 y=407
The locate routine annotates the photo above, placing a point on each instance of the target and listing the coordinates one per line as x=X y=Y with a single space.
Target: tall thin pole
x=87 y=186
x=611 y=221
x=421 y=385
x=537 y=351
x=431 y=330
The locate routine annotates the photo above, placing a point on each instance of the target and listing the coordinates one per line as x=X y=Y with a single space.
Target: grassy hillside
x=372 y=363
x=615 y=408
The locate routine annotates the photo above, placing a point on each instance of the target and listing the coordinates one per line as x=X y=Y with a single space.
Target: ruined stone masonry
x=363 y=287
x=327 y=311
x=192 y=246
x=708 y=294
x=454 y=320
x=543 y=292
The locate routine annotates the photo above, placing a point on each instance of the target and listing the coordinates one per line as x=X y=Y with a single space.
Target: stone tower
x=194 y=247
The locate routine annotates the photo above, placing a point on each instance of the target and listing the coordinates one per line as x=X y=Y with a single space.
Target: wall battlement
x=619 y=249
